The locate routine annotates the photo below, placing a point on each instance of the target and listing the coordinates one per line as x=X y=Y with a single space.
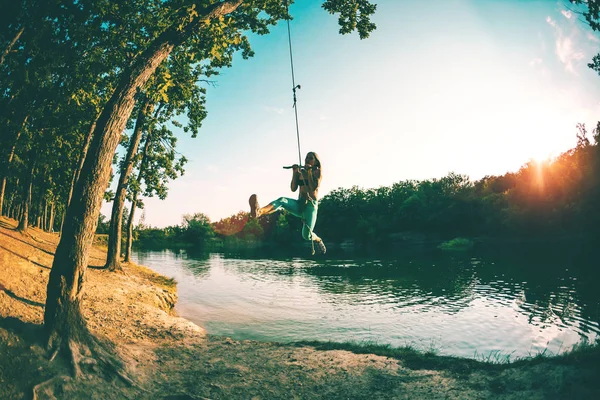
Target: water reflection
x=518 y=302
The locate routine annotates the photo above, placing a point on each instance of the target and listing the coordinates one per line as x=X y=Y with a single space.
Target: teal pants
x=307 y=210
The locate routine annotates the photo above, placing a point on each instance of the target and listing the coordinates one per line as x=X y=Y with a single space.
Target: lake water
x=503 y=303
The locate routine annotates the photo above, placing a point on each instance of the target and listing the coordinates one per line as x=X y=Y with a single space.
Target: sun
x=541 y=155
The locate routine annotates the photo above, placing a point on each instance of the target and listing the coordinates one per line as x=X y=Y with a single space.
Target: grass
x=457 y=244
x=411 y=357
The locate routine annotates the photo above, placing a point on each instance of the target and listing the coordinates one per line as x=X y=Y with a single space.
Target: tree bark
x=9 y=161
x=45 y=216
x=51 y=222
x=84 y=150
x=113 y=262
x=63 y=318
x=24 y=221
x=129 y=240
x=11 y=45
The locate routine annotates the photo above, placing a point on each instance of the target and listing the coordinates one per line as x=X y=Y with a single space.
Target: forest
x=80 y=77
x=544 y=201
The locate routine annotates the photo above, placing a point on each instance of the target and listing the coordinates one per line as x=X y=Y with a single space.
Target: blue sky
x=472 y=87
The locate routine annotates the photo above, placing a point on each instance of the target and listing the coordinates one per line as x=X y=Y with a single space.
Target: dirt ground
x=171 y=358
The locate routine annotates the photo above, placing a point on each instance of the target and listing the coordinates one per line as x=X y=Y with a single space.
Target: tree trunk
x=143 y=165
x=51 y=222
x=9 y=161
x=45 y=216
x=24 y=221
x=113 y=262
x=129 y=240
x=2 y=190
x=66 y=327
x=84 y=150
x=11 y=201
x=11 y=45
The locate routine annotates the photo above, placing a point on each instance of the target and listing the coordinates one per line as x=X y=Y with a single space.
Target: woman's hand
x=297 y=171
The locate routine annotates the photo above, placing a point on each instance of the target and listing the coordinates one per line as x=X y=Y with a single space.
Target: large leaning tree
x=193 y=22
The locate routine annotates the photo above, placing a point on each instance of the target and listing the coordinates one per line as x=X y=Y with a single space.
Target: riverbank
x=171 y=358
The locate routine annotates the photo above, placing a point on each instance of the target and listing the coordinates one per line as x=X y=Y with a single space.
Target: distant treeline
x=552 y=200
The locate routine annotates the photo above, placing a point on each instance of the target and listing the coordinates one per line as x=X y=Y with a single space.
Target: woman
x=308 y=179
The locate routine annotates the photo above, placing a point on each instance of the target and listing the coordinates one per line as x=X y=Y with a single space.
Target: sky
x=466 y=86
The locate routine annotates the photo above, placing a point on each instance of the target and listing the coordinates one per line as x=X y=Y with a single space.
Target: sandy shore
x=171 y=358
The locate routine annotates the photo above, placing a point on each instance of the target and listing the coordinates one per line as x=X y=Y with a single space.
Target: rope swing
x=294 y=86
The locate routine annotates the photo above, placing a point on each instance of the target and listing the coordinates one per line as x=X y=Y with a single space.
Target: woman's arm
x=294 y=183
x=314 y=179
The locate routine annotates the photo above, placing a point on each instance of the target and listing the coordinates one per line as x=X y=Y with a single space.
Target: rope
x=294 y=87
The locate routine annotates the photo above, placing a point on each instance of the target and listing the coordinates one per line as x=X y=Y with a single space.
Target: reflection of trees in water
x=195 y=261
x=424 y=282
x=403 y=282
x=554 y=285
x=550 y=287
x=198 y=268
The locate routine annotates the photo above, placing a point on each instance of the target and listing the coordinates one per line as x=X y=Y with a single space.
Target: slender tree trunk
x=113 y=262
x=10 y=158
x=24 y=221
x=35 y=217
x=51 y=222
x=45 y=216
x=40 y=215
x=11 y=45
x=2 y=191
x=11 y=201
x=129 y=240
x=63 y=318
x=143 y=165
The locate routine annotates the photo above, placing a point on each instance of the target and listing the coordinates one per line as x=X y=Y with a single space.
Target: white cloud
x=567 y=45
x=593 y=38
x=567 y=14
x=567 y=53
x=212 y=168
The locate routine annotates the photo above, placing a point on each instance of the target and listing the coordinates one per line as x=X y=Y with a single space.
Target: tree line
x=80 y=77
x=554 y=199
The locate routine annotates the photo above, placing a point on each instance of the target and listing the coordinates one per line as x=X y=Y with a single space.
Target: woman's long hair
x=317 y=160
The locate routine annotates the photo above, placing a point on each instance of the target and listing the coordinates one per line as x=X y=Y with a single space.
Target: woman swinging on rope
x=308 y=179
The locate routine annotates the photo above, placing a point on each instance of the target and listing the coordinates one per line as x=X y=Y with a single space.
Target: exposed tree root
x=89 y=356
x=47 y=388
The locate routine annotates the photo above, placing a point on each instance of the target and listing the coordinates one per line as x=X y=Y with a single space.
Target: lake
x=502 y=303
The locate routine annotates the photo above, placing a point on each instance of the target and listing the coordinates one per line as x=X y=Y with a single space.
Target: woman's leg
x=292 y=206
x=310 y=219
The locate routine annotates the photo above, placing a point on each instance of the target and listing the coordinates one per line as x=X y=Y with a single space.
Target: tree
x=591 y=13
x=200 y=22
x=196 y=229
x=114 y=236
